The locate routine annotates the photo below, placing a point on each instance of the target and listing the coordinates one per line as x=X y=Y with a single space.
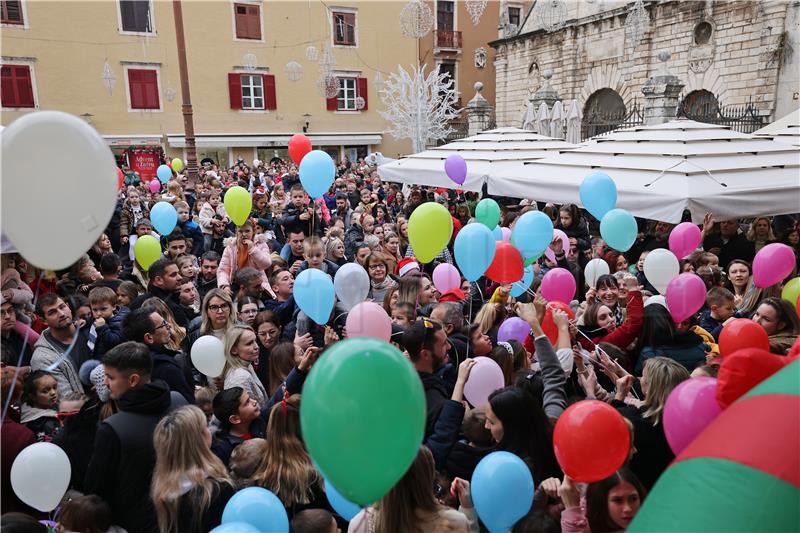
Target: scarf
x=385 y=284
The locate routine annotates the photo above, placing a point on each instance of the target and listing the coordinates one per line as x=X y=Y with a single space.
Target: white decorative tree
x=419 y=107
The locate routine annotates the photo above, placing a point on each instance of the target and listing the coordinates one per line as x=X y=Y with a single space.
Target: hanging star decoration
x=475 y=9
x=109 y=79
x=416 y=19
x=637 y=22
x=378 y=81
x=553 y=15
x=312 y=53
x=293 y=71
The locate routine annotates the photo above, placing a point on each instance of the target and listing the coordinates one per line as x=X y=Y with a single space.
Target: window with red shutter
x=143 y=88
x=248 y=21
x=344 y=29
x=12 y=12
x=135 y=16
x=362 y=92
x=270 y=101
x=16 y=86
x=235 y=90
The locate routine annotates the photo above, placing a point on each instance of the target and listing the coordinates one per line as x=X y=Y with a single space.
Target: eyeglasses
x=377 y=266
x=164 y=324
x=217 y=308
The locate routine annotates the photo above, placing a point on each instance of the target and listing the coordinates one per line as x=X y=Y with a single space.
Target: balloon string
x=602 y=351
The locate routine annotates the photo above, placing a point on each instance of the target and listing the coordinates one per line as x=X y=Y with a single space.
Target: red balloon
x=548 y=326
x=299 y=146
x=742 y=333
x=744 y=369
x=120 y=178
x=507 y=265
x=591 y=441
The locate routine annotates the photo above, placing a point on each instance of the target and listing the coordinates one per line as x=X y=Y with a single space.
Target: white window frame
x=24 y=62
x=252 y=88
x=143 y=66
x=344 y=90
x=152 y=22
x=24 y=25
x=352 y=10
x=521 y=13
x=260 y=5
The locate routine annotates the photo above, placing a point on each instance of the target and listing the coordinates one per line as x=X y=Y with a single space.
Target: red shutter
x=7 y=87
x=248 y=21
x=241 y=21
x=135 y=87
x=24 y=86
x=235 y=90
x=362 y=91
x=143 y=85
x=332 y=104
x=254 y=22
x=268 y=81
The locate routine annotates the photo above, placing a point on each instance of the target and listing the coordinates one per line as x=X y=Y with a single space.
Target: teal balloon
x=259 y=508
x=314 y=293
x=532 y=234
x=164 y=217
x=340 y=504
x=618 y=228
x=235 y=527
x=164 y=173
x=598 y=194
x=317 y=172
x=519 y=287
x=474 y=250
x=497 y=233
x=502 y=490
x=487 y=212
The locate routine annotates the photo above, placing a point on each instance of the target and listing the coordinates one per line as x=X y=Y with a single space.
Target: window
x=248 y=21
x=143 y=88
x=252 y=91
x=17 y=89
x=351 y=91
x=12 y=12
x=135 y=16
x=514 y=16
x=344 y=29
x=445 y=20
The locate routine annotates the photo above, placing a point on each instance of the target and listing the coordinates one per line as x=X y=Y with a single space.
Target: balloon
x=316 y=173
x=363 y=416
x=584 y=428
x=690 y=407
x=369 y=319
x=314 y=294
x=53 y=219
x=657 y=299
x=351 y=283
x=521 y=286
x=40 y=475
x=238 y=204
x=506 y=266
x=497 y=233
x=120 y=178
x=235 y=527
x=164 y=217
x=660 y=266
x=177 y=164
x=598 y=194
x=164 y=173
x=340 y=504
x=456 y=168
x=208 y=355
x=686 y=294
x=430 y=227
x=791 y=291
x=558 y=285
x=593 y=270
x=549 y=326
x=684 y=239
x=484 y=378
x=744 y=369
x=259 y=508
x=474 y=250
x=487 y=212
x=299 y=146
x=513 y=328
x=502 y=490
x=772 y=264
x=147 y=251
x=619 y=229
x=446 y=277
x=154 y=186
x=506 y=234
x=532 y=234
x=256 y=162
x=742 y=333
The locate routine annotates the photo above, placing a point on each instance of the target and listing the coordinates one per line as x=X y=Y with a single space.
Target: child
x=212 y=217
x=243 y=252
x=640 y=277
x=720 y=310
x=204 y=399
x=245 y=458
x=476 y=444
x=126 y=293
x=107 y=324
x=298 y=216
x=237 y=415
x=86 y=514
x=71 y=404
x=314 y=255
x=403 y=314
x=174 y=192
x=314 y=521
x=143 y=227
x=133 y=210
x=40 y=397
x=189 y=228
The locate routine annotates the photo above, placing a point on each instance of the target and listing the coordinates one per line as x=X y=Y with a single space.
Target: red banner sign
x=145 y=164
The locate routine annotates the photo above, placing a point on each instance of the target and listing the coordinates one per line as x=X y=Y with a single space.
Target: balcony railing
x=448 y=39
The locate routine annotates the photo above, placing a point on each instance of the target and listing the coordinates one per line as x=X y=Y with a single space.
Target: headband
x=507 y=346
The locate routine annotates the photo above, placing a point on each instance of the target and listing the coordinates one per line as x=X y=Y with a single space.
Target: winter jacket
x=580 y=232
x=126 y=221
x=43 y=422
x=169 y=298
x=224 y=443
x=625 y=334
x=76 y=438
x=463 y=459
x=258 y=258
x=110 y=334
x=46 y=354
x=21 y=293
x=191 y=230
x=16 y=351
x=14 y=437
x=353 y=236
x=204 y=285
x=290 y=220
x=328 y=266
x=206 y=215
x=168 y=369
x=711 y=324
x=687 y=348
x=738 y=247
x=445 y=432
x=246 y=378
x=653 y=453
x=435 y=397
x=190 y=520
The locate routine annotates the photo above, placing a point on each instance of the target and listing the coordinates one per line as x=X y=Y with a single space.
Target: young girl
x=570 y=222
x=241 y=252
x=133 y=210
x=126 y=293
x=86 y=514
x=40 y=396
x=248 y=309
x=207 y=222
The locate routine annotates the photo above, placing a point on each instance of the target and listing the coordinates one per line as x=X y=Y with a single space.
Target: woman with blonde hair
x=241 y=350
x=190 y=484
x=217 y=315
x=760 y=232
x=417 y=290
x=177 y=333
x=334 y=251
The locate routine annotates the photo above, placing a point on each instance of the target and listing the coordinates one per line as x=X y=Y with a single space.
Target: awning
x=236 y=140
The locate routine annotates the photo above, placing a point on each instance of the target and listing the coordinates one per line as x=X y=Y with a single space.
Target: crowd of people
x=96 y=359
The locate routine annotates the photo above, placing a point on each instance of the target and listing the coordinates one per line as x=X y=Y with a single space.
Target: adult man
x=122 y=463
x=427 y=346
x=247 y=282
x=176 y=245
x=164 y=278
x=16 y=351
x=188 y=299
x=451 y=316
x=343 y=209
x=207 y=279
x=282 y=283
x=292 y=253
x=730 y=244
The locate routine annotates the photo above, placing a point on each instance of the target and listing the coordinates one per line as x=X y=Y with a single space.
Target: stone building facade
x=724 y=52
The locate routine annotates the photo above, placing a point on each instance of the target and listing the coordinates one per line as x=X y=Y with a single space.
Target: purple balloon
x=558 y=285
x=456 y=168
x=513 y=329
x=686 y=294
x=690 y=408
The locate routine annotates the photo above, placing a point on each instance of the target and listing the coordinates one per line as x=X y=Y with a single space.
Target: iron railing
x=447 y=39
x=744 y=118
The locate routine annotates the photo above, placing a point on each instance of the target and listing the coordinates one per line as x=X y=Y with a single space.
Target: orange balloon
x=742 y=333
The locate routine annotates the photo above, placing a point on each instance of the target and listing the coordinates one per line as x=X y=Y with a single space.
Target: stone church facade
x=726 y=53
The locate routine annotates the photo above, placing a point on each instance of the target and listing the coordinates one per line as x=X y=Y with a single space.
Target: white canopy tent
x=485 y=153
x=786 y=130
x=663 y=169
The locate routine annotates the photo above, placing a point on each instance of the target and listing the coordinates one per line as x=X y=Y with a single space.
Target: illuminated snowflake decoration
x=109 y=79
x=327 y=62
x=553 y=15
x=293 y=71
x=475 y=9
x=170 y=94
x=416 y=19
x=328 y=86
x=637 y=23
x=360 y=103
x=312 y=53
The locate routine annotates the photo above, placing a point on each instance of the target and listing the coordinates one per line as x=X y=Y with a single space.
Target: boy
x=314 y=521
x=213 y=217
x=239 y=420
x=143 y=227
x=299 y=216
x=107 y=326
x=314 y=255
x=190 y=229
x=403 y=314
x=720 y=311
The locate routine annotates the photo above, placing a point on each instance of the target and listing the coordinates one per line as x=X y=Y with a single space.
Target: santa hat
x=406 y=266
x=452 y=295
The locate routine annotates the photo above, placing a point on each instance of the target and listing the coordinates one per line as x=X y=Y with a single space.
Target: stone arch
x=603 y=111
x=606 y=76
x=710 y=80
x=698 y=103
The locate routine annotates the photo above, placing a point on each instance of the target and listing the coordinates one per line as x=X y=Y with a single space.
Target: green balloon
x=363 y=417
x=487 y=213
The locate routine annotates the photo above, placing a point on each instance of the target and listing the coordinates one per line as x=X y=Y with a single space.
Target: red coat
x=624 y=335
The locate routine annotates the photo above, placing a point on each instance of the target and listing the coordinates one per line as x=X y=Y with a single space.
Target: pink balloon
x=513 y=329
x=558 y=285
x=686 y=294
x=484 y=378
x=690 y=408
x=684 y=239
x=155 y=186
x=446 y=277
x=772 y=264
x=557 y=234
x=506 y=234
x=369 y=319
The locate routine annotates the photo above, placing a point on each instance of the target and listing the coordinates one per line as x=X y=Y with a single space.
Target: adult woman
x=660 y=337
x=217 y=315
x=402 y=233
x=334 y=251
x=738 y=280
x=779 y=320
x=100 y=248
x=391 y=251
x=247 y=306
x=177 y=333
x=489 y=318
x=243 y=252
x=241 y=350
x=268 y=330
x=600 y=321
x=659 y=377
x=379 y=279
x=378 y=232
x=391 y=298
x=190 y=484
x=382 y=216
x=397 y=205
x=616 y=261
x=416 y=290
x=606 y=291
x=573 y=224
x=760 y=232
x=792 y=240
x=611 y=503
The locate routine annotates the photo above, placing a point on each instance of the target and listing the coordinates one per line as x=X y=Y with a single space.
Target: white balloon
x=208 y=355
x=660 y=266
x=657 y=300
x=256 y=162
x=54 y=214
x=593 y=270
x=40 y=475
x=351 y=283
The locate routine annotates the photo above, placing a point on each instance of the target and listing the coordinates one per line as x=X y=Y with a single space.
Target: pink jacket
x=573 y=520
x=259 y=259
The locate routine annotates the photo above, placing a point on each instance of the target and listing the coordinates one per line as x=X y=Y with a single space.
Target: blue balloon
x=315 y=294
x=618 y=228
x=497 y=233
x=598 y=194
x=235 y=527
x=340 y=504
x=474 y=250
x=164 y=173
x=317 y=172
x=532 y=234
x=164 y=217
x=257 y=507
x=519 y=287
x=502 y=490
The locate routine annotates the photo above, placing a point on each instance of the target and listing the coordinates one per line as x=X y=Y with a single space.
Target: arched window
x=702 y=33
x=604 y=111
x=698 y=104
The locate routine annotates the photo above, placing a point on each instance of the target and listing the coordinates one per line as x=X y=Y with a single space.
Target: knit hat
x=406 y=266
x=86 y=370
x=452 y=295
x=98 y=379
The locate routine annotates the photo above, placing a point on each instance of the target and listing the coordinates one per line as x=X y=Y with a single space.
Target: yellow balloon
x=429 y=230
x=147 y=251
x=177 y=164
x=791 y=291
x=238 y=204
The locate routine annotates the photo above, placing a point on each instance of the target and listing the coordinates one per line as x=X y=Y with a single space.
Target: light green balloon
x=429 y=230
x=147 y=251
x=363 y=417
x=238 y=204
x=791 y=291
x=487 y=212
